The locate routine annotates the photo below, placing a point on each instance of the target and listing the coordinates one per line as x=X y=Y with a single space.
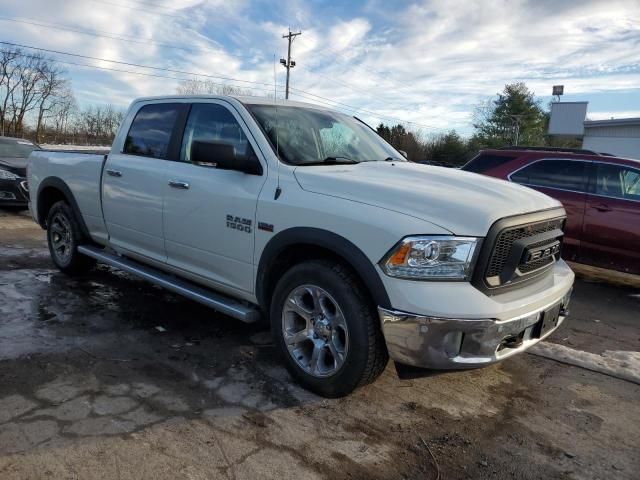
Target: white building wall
x=621 y=140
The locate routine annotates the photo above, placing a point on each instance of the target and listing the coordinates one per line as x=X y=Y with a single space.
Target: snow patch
x=620 y=364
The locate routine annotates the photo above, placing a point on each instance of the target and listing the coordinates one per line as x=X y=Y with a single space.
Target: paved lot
x=90 y=387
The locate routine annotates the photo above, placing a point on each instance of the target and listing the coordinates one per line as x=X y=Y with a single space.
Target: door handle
x=603 y=208
x=179 y=184
x=114 y=173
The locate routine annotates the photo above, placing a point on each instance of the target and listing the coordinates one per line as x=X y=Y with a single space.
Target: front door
x=209 y=213
x=133 y=182
x=611 y=236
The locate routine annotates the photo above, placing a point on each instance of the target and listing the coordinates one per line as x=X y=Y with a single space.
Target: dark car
x=14 y=154
x=600 y=192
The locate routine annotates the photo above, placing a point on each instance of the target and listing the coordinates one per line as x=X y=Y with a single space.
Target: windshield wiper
x=332 y=161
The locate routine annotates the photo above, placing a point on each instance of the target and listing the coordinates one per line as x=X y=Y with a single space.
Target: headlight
x=431 y=258
x=6 y=175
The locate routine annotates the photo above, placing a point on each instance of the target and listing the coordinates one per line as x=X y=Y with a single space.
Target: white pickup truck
x=306 y=217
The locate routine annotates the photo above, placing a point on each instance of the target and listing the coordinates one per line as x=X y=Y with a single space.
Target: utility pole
x=288 y=64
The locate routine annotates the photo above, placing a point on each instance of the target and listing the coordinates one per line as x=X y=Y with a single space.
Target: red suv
x=600 y=192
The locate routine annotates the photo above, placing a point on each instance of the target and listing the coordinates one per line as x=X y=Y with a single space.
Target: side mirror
x=223 y=156
x=404 y=154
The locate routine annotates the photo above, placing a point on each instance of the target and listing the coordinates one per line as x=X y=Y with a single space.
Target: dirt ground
x=105 y=376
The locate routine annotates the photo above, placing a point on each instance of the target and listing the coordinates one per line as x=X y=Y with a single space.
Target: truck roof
x=245 y=99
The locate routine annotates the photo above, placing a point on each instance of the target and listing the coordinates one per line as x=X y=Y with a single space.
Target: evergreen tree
x=496 y=120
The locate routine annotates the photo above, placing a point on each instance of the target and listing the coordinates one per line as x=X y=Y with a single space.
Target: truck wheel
x=326 y=328
x=64 y=236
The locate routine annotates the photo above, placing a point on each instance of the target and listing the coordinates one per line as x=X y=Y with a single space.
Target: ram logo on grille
x=533 y=255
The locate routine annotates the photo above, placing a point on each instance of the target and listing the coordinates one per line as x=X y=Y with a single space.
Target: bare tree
x=24 y=98
x=97 y=124
x=62 y=111
x=9 y=74
x=50 y=87
x=34 y=88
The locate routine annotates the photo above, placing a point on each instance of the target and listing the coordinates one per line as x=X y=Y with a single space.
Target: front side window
x=209 y=122
x=151 y=130
x=562 y=174
x=617 y=181
x=308 y=136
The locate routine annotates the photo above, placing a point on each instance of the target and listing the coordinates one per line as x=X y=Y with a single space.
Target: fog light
x=453 y=343
x=7 y=196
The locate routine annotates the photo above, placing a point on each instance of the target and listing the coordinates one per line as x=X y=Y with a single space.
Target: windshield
x=307 y=136
x=15 y=148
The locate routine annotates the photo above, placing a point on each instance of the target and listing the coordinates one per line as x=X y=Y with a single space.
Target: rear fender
x=58 y=184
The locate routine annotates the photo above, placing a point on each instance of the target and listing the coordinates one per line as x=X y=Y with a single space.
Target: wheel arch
x=295 y=244
x=52 y=190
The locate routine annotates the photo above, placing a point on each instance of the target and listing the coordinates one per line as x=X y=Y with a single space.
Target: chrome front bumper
x=453 y=343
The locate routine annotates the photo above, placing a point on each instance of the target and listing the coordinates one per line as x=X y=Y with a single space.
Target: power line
x=135 y=6
x=301 y=93
x=144 y=41
x=151 y=42
x=113 y=36
x=153 y=75
x=130 y=64
x=269 y=85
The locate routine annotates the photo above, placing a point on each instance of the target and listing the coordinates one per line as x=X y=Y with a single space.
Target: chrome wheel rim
x=315 y=331
x=60 y=234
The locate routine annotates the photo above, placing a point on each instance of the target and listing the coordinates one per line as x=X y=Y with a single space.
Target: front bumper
x=456 y=343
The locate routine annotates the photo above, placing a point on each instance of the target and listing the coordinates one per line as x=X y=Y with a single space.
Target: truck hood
x=15 y=165
x=463 y=203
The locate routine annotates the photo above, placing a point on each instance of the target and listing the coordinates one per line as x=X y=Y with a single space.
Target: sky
x=425 y=64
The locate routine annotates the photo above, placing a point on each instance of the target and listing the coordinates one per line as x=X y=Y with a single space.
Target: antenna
x=275 y=99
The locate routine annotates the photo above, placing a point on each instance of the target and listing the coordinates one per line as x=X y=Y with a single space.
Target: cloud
x=427 y=62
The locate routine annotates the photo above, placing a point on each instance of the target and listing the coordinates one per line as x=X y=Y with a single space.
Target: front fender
x=342 y=247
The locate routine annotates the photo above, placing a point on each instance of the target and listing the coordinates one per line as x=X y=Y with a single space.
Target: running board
x=217 y=301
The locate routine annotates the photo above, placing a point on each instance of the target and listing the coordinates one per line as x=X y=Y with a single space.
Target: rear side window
x=562 y=174
x=485 y=161
x=209 y=122
x=151 y=130
x=617 y=181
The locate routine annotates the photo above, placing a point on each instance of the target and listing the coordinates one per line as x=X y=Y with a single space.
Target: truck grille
x=506 y=239
x=517 y=249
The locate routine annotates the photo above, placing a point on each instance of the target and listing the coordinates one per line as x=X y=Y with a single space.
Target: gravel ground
x=105 y=376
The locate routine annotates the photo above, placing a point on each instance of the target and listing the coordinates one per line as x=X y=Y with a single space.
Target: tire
x=63 y=237
x=327 y=329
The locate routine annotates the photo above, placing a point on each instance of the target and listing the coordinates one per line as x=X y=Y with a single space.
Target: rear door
x=565 y=180
x=612 y=219
x=133 y=181
x=209 y=213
